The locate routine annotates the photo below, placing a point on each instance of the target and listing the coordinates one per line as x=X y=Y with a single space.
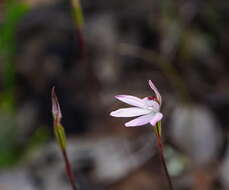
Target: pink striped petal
x=154 y=88
x=157 y=117
x=129 y=112
x=139 y=121
x=131 y=100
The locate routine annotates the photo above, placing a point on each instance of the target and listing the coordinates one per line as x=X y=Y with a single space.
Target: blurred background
x=181 y=45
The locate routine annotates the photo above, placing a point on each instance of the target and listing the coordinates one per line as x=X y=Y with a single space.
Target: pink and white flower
x=148 y=108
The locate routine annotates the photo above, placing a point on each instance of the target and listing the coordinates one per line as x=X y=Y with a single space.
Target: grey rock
x=196 y=131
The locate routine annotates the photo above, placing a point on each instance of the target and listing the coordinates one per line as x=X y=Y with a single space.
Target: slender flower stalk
x=160 y=148
x=77 y=13
x=61 y=138
x=147 y=111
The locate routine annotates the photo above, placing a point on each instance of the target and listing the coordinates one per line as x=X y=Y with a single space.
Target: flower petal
x=131 y=100
x=152 y=104
x=142 y=120
x=157 y=117
x=154 y=88
x=129 y=112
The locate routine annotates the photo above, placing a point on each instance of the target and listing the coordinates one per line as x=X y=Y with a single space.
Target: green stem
x=69 y=171
x=61 y=138
x=77 y=13
x=162 y=158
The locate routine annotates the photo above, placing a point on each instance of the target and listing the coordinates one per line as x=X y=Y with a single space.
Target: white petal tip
x=152 y=85
x=127 y=125
x=120 y=96
x=113 y=114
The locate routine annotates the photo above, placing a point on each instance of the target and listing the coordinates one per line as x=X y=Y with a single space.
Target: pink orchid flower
x=148 y=108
